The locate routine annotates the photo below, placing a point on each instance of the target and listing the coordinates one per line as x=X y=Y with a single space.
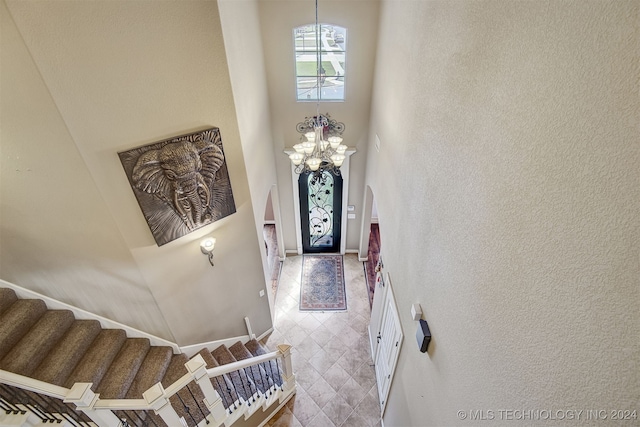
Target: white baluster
x=156 y=398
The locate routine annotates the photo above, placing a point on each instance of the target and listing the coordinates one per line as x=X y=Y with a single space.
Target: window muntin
x=332 y=55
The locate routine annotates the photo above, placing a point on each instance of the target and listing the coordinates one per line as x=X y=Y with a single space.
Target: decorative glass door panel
x=321 y=211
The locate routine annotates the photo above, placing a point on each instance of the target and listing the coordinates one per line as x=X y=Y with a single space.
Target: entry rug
x=322 y=287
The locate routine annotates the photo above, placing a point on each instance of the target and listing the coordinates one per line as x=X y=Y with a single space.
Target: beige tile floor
x=335 y=378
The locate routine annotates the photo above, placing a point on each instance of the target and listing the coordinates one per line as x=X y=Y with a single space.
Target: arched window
x=320 y=61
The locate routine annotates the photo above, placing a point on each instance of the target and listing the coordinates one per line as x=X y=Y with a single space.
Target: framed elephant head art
x=181 y=183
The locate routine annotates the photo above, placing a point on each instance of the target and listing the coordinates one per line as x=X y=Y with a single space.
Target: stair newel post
x=156 y=398
x=85 y=399
x=197 y=367
x=287 y=367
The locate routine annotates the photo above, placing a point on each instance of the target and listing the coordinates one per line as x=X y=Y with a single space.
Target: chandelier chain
x=320 y=148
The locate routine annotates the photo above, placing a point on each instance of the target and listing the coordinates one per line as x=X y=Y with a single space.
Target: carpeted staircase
x=53 y=346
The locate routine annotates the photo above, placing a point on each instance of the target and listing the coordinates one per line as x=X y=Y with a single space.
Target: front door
x=320 y=211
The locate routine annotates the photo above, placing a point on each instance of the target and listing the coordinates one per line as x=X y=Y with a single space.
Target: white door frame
x=379 y=297
x=388 y=352
x=344 y=171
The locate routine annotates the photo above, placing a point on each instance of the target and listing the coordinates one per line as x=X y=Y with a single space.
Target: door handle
x=378 y=338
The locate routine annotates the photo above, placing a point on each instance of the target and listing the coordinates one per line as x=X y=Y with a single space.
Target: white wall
x=278 y=18
x=507 y=187
x=123 y=74
x=57 y=236
x=243 y=44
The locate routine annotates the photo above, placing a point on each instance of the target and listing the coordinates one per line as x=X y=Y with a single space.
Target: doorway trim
x=305 y=182
x=344 y=170
x=365 y=230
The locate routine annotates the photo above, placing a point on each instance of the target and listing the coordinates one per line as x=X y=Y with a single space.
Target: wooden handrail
x=241 y=364
x=122 y=404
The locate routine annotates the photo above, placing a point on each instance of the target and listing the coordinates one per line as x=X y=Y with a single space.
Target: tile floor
x=336 y=383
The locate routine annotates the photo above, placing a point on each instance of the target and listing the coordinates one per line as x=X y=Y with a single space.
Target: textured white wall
x=243 y=45
x=508 y=198
x=123 y=74
x=56 y=234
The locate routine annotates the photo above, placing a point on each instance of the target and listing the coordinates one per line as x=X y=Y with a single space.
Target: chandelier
x=320 y=148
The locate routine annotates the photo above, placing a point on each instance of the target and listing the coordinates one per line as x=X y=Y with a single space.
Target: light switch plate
x=416 y=312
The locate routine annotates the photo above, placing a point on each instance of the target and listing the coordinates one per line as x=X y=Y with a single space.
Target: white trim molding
x=83 y=314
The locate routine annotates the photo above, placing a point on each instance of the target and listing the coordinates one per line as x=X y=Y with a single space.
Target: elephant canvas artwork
x=181 y=183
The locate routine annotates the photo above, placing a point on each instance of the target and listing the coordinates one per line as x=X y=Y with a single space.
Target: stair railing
x=20 y=403
x=276 y=365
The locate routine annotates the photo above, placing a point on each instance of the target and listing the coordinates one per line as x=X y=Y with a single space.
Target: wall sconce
x=207 y=246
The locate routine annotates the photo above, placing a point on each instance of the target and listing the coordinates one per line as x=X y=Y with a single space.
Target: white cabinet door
x=389 y=343
x=375 y=322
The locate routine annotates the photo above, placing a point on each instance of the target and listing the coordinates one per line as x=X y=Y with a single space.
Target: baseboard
x=105 y=323
x=356 y=251
x=269 y=222
x=83 y=314
x=191 y=350
x=267 y=332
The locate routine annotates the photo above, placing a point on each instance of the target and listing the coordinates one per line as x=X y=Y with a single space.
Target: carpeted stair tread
x=221 y=383
x=239 y=378
x=27 y=354
x=255 y=347
x=123 y=369
x=256 y=372
x=223 y=355
x=175 y=370
x=208 y=358
x=271 y=367
x=54 y=347
x=7 y=297
x=94 y=364
x=151 y=371
x=61 y=360
x=185 y=397
x=16 y=321
x=239 y=351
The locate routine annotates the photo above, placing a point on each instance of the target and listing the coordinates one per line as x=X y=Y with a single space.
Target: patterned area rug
x=322 y=287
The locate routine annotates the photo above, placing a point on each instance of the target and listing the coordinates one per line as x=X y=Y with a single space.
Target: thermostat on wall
x=423 y=335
